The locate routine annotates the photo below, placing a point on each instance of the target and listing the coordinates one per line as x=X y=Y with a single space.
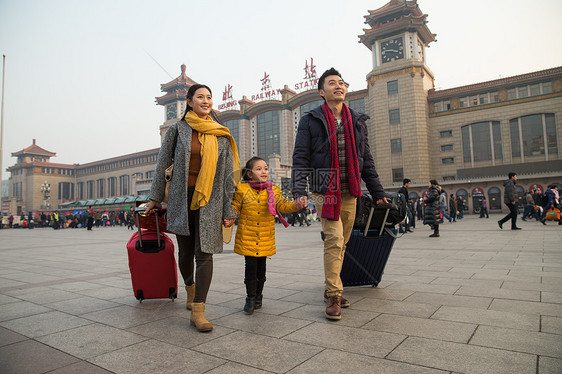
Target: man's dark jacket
x=311 y=156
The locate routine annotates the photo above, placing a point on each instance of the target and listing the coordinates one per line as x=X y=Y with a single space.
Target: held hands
x=301 y=202
x=383 y=200
x=228 y=222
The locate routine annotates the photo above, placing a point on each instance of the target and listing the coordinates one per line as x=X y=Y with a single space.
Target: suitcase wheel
x=322 y=235
x=173 y=294
x=140 y=296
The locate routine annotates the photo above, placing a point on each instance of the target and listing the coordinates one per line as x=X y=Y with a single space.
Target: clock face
x=392 y=50
x=171 y=111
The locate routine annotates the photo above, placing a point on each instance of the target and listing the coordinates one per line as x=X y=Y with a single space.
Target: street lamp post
x=46 y=191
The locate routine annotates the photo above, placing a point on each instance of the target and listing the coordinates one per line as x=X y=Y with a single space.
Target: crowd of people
x=87 y=218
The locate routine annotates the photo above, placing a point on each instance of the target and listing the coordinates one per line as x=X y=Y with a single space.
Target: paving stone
x=352 y=317
x=235 y=368
x=126 y=316
x=259 y=351
x=422 y=287
x=9 y=337
x=360 y=341
x=270 y=306
x=539 y=343
x=44 y=323
x=107 y=293
x=156 y=357
x=4 y=299
x=551 y=297
x=81 y=305
x=463 y=358
x=178 y=331
x=528 y=307
x=525 y=286
x=551 y=325
x=31 y=357
x=488 y=317
x=91 y=340
x=499 y=293
x=451 y=300
x=20 y=309
x=261 y=323
x=422 y=327
x=478 y=283
x=354 y=294
x=404 y=308
x=338 y=362
x=81 y=367
x=549 y=365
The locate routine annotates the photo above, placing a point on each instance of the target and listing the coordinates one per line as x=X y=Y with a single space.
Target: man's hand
x=228 y=222
x=383 y=200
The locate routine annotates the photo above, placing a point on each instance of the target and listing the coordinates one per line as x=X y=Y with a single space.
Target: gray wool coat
x=219 y=206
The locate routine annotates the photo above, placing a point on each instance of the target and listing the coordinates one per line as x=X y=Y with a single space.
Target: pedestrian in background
x=432 y=207
x=510 y=199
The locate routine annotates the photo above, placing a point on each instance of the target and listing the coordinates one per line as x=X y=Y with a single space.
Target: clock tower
x=398 y=85
x=174 y=99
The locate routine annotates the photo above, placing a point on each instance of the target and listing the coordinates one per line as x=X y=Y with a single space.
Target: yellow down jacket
x=255 y=235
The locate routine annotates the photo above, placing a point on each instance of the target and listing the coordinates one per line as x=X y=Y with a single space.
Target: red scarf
x=332 y=198
x=270 y=199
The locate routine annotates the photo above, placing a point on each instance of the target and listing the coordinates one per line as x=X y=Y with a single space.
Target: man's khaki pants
x=337 y=235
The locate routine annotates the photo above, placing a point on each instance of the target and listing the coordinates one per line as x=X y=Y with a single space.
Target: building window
x=447 y=105
x=311 y=105
x=396 y=145
x=448 y=178
x=495 y=198
x=535 y=89
x=123 y=185
x=446 y=147
x=532 y=134
x=101 y=188
x=66 y=191
x=149 y=174
x=448 y=160
x=80 y=191
x=268 y=134
x=481 y=141
x=90 y=189
x=463 y=102
x=446 y=133
x=511 y=94
x=547 y=87
x=392 y=87
x=438 y=107
x=494 y=97
x=522 y=91
x=394 y=116
x=18 y=191
x=357 y=105
x=111 y=186
x=397 y=175
x=234 y=127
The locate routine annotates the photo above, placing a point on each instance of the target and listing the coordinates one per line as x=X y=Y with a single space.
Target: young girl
x=257 y=201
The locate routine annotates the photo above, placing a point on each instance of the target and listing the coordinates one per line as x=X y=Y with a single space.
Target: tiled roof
x=34 y=149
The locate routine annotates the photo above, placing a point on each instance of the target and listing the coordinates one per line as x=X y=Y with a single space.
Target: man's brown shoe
x=344 y=302
x=333 y=309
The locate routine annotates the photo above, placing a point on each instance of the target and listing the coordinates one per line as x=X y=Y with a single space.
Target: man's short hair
x=511 y=175
x=406 y=180
x=330 y=71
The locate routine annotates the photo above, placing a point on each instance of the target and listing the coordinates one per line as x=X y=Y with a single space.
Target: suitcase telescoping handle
x=140 y=209
x=383 y=227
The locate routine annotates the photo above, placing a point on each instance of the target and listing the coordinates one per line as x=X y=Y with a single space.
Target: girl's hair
x=249 y=166
x=433 y=182
x=189 y=96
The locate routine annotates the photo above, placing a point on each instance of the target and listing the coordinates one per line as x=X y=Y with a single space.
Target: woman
x=432 y=208
x=206 y=169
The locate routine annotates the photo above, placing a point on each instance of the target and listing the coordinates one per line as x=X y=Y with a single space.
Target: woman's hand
x=301 y=202
x=383 y=200
x=228 y=222
x=151 y=205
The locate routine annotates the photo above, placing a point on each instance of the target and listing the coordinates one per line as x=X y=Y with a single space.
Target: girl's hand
x=300 y=203
x=228 y=222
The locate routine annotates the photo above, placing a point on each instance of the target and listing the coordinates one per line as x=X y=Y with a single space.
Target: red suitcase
x=152 y=263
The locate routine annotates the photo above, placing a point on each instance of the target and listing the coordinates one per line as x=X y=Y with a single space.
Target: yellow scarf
x=208 y=131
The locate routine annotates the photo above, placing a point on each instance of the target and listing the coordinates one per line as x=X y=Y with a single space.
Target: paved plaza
x=476 y=300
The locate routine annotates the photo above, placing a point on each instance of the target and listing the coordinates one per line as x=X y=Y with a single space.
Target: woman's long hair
x=189 y=96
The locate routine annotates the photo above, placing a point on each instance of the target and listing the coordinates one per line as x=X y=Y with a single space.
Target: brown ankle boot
x=198 y=318
x=190 y=295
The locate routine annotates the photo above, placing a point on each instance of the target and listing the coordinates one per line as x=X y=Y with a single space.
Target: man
x=453 y=207
x=510 y=199
x=483 y=208
x=404 y=191
x=331 y=155
x=529 y=205
x=460 y=207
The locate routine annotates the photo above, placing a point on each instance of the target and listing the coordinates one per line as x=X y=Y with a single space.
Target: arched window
x=268 y=134
x=495 y=198
x=533 y=135
x=520 y=195
x=311 y=105
x=463 y=195
x=482 y=141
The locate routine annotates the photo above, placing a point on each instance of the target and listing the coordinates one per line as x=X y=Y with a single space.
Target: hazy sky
x=81 y=76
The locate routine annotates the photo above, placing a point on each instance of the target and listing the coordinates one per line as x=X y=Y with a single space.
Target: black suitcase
x=367 y=253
